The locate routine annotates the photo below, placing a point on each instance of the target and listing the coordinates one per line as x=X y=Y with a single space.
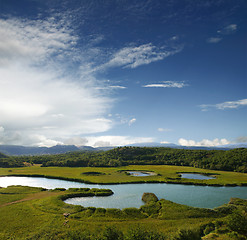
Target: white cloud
x=166 y=84
x=204 y=143
x=164 y=142
x=41 y=99
x=225 y=105
x=214 y=40
x=232 y=28
x=9 y=137
x=43 y=141
x=174 y=38
x=77 y=141
x=164 y=129
x=117 y=87
x=110 y=87
x=104 y=141
x=102 y=144
x=133 y=120
x=132 y=57
x=1 y=129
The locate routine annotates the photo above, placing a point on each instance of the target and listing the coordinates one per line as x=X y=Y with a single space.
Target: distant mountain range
x=15 y=150
x=21 y=150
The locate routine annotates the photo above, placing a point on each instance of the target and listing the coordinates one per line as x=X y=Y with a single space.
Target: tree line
x=230 y=160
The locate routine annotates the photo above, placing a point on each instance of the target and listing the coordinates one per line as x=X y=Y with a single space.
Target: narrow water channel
x=129 y=195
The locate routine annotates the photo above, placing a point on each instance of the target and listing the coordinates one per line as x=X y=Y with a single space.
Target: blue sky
x=107 y=73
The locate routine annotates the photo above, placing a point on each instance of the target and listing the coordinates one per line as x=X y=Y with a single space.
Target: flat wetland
x=36 y=213
x=117 y=175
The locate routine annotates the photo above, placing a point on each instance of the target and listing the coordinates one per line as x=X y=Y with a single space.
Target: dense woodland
x=230 y=160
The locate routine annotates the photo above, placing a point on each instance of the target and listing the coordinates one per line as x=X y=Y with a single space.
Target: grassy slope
x=164 y=173
x=41 y=216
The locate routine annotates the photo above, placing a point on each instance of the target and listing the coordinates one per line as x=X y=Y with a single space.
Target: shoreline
x=132 y=182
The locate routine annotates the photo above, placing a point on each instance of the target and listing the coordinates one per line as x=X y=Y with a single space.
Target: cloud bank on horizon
x=114 y=74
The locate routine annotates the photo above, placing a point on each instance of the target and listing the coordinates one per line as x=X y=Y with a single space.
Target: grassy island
x=116 y=175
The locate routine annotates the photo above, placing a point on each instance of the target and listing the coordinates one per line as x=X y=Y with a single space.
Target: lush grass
x=15 y=193
x=32 y=213
x=41 y=216
x=117 y=175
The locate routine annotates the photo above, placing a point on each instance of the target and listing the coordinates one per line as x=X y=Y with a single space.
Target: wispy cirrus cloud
x=111 y=87
x=164 y=130
x=214 y=40
x=131 y=121
x=135 y=56
x=166 y=84
x=229 y=29
x=36 y=41
x=225 y=105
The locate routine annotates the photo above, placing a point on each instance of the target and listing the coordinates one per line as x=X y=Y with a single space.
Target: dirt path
x=32 y=197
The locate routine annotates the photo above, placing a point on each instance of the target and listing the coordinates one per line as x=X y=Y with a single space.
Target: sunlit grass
x=43 y=215
x=32 y=213
x=117 y=175
x=40 y=215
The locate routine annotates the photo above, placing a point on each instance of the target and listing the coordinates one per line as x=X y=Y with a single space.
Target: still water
x=195 y=176
x=139 y=174
x=129 y=195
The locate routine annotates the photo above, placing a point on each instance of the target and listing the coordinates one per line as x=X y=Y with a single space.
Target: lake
x=129 y=195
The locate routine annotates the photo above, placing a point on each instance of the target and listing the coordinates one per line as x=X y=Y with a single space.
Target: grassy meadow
x=163 y=173
x=37 y=213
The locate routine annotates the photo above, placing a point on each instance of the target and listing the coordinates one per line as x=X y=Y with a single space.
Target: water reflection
x=129 y=195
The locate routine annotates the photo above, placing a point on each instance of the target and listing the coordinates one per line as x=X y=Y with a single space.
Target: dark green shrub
x=79 y=208
x=188 y=234
x=88 y=212
x=133 y=213
x=237 y=222
x=227 y=209
x=151 y=208
x=79 y=189
x=112 y=233
x=208 y=229
x=114 y=212
x=139 y=233
x=93 y=173
x=78 y=235
x=148 y=197
x=60 y=189
x=100 y=212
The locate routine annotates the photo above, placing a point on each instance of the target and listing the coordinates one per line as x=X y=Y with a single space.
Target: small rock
x=66 y=215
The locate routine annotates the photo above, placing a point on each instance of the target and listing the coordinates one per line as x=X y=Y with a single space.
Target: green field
x=36 y=213
x=164 y=173
x=32 y=213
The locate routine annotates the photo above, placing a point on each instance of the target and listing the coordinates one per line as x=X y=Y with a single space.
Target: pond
x=140 y=173
x=129 y=195
x=195 y=176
